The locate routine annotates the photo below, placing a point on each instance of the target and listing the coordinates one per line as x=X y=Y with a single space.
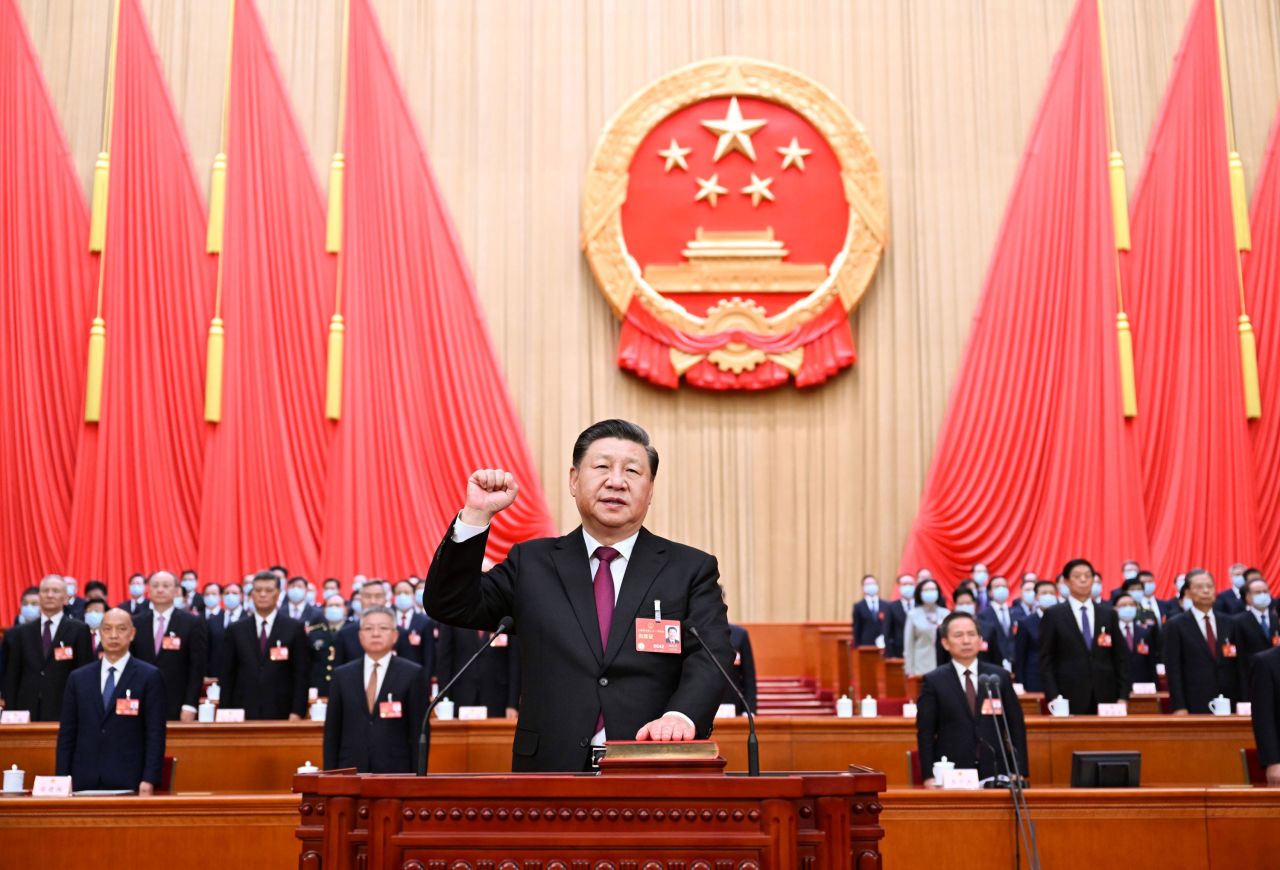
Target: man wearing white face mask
x=996 y=622
x=137 y=603
x=895 y=620
x=1139 y=641
x=980 y=577
x=1258 y=627
x=297 y=606
x=1026 y=639
x=1231 y=600
x=1025 y=605
x=231 y=611
x=94 y=610
x=869 y=615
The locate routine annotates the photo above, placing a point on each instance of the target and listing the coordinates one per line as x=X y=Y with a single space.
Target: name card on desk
x=962 y=779
x=229 y=714
x=1244 y=708
x=1019 y=689
x=15 y=717
x=52 y=786
x=1144 y=688
x=1120 y=709
x=476 y=712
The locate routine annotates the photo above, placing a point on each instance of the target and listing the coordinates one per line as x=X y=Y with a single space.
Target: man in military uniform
x=321 y=635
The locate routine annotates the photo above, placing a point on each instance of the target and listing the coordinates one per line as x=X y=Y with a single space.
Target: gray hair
x=384 y=611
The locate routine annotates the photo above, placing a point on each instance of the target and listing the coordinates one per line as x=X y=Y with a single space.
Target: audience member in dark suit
x=743 y=670
x=175 y=641
x=233 y=610
x=1081 y=649
x=75 y=603
x=1202 y=651
x=978 y=579
x=966 y=601
x=40 y=655
x=895 y=617
x=96 y=589
x=1258 y=629
x=1265 y=691
x=267 y=658
x=1026 y=638
x=362 y=727
x=28 y=606
x=137 y=602
x=1025 y=604
x=955 y=718
x=869 y=615
x=347 y=644
x=1231 y=599
x=417 y=632
x=996 y=622
x=1139 y=641
x=297 y=606
x=188 y=598
x=112 y=728
x=95 y=609
x=321 y=636
x=492 y=682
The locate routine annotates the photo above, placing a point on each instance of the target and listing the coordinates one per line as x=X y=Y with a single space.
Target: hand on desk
x=1273 y=774
x=146 y=789
x=930 y=783
x=294 y=717
x=669 y=727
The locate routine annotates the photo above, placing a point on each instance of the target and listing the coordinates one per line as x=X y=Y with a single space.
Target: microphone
x=753 y=746
x=1021 y=812
x=424 y=733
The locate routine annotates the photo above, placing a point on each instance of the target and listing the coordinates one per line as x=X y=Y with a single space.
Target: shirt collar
x=56 y=619
x=370 y=661
x=624 y=547
x=119 y=666
x=163 y=614
x=960 y=669
x=270 y=618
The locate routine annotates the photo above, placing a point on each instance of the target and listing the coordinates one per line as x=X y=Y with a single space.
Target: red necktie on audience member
x=1128 y=633
x=48 y=637
x=262 y=637
x=1209 y=637
x=970 y=693
x=604 y=602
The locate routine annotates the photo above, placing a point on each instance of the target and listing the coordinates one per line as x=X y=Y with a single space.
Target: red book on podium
x=652 y=756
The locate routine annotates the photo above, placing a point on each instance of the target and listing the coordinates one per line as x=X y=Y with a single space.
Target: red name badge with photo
x=1229 y=650
x=1275 y=641
x=171 y=641
x=279 y=654
x=880 y=615
x=501 y=640
x=415 y=639
x=991 y=706
x=1104 y=640
x=63 y=653
x=658 y=635
x=1143 y=649
x=390 y=710
x=126 y=706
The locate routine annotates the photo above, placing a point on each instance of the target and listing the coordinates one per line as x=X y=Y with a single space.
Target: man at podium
x=592 y=609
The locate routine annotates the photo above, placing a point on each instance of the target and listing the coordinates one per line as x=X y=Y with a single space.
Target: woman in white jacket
x=920 y=636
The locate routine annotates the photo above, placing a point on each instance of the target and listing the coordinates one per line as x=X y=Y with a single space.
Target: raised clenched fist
x=489 y=491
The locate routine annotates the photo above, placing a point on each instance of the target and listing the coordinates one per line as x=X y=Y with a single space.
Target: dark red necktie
x=604 y=603
x=48 y=637
x=970 y=693
x=1128 y=633
x=1209 y=637
x=262 y=638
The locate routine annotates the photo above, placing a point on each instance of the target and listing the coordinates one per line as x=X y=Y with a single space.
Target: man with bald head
x=177 y=642
x=113 y=717
x=40 y=655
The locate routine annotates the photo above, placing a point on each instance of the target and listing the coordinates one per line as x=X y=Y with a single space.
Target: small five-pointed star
x=675 y=155
x=735 y=132
x=710 y=188
x=759 y=188
x=793 y=154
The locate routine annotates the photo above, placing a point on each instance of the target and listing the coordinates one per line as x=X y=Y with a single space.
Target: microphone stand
x=424 y=733
x=1021 y=812
x=753 y=746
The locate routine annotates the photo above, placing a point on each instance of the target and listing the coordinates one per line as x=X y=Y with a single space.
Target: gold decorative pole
x=1120 y=223
x=333 y=236
x=1244 y=239
x=216 y=350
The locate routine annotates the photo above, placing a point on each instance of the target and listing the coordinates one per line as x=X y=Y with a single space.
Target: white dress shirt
x=118 y=665
x=382 y=671
x=971 y=668
x=296 y=610
x=259 y=619
x=1076 y=605
x=1003 y=616
x=1213 y=620
x=56 y=619
x=166 y=615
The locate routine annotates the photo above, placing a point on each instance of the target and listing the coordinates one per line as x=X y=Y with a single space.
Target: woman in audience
x=922 y=628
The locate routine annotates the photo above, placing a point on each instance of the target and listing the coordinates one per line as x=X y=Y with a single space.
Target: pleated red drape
x=136 y=505
x=424 y=400
x=1035 y=464
x=1262 y=287
x=265 y=467
x=1182 y=280
x=47 y=277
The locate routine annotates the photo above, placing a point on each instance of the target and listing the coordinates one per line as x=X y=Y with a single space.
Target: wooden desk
x=1093 y=828
x=133 y=833
x=262 y=756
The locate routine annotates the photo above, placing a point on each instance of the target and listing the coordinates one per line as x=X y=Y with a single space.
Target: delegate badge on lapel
x=171 y=641
x=279 y=653
x=1143 y=649
x=501 y=641
x=127 y=706
x=1229 y=649
x=63 y=653
x=1104 y=640
x=1275 y=640
x=389 y=709
x=991 y=706
x=415 y=639
x=657 y=635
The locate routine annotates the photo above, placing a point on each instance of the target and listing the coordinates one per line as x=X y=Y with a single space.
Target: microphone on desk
x=424 y=733
x=990 y=683
x=753 y=746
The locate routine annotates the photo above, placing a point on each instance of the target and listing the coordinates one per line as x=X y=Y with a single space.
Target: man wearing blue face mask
x=231 y=610
x=895 y=620
x=1026 y=638
x=75 y=603
x=869 y=615
x=297 y=606
x=1139 y=641
x=137 y=603
x=1231 y=600
x=1026 y=603
x=321 y=635
x=189 y=581
x=1258 y=623
x=980 y=577
x=94 y=610
x=416 y=642
x=996 y=622
x=29 y=607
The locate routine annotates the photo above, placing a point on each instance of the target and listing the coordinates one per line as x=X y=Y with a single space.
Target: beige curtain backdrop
x=798 y=493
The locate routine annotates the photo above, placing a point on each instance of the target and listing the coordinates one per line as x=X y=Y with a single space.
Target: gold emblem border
x=620 y=276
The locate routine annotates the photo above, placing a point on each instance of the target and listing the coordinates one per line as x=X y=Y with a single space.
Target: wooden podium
x=618 y=821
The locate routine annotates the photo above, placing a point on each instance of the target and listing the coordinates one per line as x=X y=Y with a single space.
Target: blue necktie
x=1084 y=626
x=108 y=690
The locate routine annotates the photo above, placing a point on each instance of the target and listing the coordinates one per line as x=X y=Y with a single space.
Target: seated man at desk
x=113 y=717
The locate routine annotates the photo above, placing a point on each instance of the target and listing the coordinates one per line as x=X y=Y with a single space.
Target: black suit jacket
x=1143 y=657
x=566 y=679
x=1265 y=691
x=135 y=609
x=868 y=627
x=1085 y=677
x=1254 y=640
x=1195 y=675
x=744 y=670
x=993 y=631
x=418 y=644
x=1229 y=601
x=218 y=624
x=310 y=612
x=492 y=682
x=100 y=750
x=895 y=626
x=266 y=689
x=34 y=681
x=1026 y=652
x=946 y=725
x=75 y=608
x=183 y=669
x=355 y=737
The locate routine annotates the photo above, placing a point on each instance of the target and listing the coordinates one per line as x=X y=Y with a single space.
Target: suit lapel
x=574 y=570
x=957 y=688
x=647 y=559
x=123 y=683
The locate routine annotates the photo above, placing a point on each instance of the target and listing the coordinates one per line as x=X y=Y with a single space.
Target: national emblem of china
x=734 y=214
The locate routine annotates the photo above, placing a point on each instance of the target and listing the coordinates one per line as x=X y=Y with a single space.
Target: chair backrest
x=913 y=767
x=166 y=774
x=1254 y=774
x=889 y=706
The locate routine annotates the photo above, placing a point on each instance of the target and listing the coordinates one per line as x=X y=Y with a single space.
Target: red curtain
x=424 y=400
x=47 y=279
x=1262 y=288
x=265 y=467
x=1034 y=464
x=136 y=505
x=1185 y=297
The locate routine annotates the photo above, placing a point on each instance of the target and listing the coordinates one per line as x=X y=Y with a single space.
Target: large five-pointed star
x=758 y=188
x=675 y=155
x=735 y=132
x=793 y=154
x=709 y=189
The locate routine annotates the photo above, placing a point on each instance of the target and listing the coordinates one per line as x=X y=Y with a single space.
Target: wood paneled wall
x=798 y=493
